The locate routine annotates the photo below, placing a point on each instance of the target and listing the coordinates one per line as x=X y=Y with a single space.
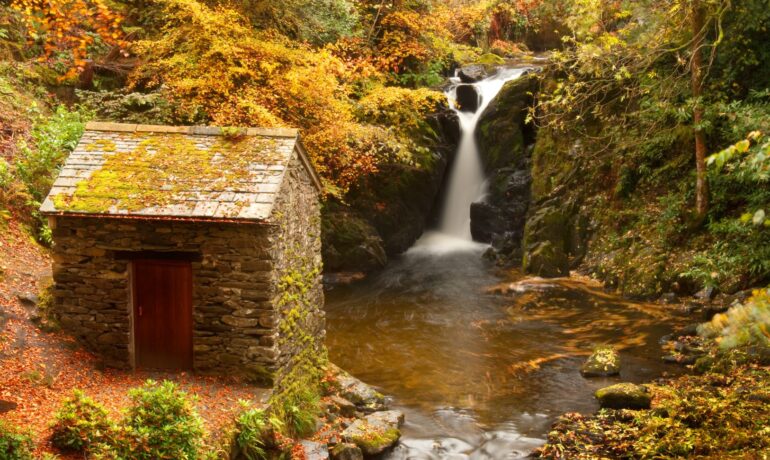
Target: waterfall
x=466 y=182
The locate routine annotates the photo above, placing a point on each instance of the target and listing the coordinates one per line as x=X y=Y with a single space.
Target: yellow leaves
x=69 y=28
x=212 y=63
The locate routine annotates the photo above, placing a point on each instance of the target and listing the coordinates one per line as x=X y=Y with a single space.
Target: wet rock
x=346 y=451
x=357 y=392
x=545 y=244
x=739 y=297
x=314 y=450
x=472 y=73
x=375 y=433
x=707 y=293
x=668 y=298
x=624 y=396
x=681 y=359
x=343 y=407
x=690 y=330
x=342 y=278
x=350 y=243
x=502 y=132
x=604 y=362
x=546 y=260
x=486 y=222
x=410 y=193
x=467 y=98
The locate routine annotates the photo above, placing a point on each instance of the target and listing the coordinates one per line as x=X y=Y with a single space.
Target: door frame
x=172 y=259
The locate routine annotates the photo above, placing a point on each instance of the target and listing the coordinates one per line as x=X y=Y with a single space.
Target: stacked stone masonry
x=236 y=266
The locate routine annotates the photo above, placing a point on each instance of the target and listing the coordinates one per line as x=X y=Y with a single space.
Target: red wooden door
x=162 y=314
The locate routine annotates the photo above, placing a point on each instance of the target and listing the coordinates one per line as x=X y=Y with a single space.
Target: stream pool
x=480 y=360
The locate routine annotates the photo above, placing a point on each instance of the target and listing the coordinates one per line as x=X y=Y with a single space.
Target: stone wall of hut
x=240 y=284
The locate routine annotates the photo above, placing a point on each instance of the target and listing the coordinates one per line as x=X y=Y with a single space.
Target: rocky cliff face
x=386 y=212
x=504 y=140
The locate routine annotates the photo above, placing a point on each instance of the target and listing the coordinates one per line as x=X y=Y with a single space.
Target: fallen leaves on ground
x=38 y=369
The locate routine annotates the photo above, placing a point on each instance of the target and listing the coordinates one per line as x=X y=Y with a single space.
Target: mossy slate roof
x=175 y=172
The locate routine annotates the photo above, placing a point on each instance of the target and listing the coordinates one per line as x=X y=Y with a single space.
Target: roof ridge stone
x=193 y=130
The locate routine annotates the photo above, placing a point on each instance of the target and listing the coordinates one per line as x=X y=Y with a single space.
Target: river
x=482 y=360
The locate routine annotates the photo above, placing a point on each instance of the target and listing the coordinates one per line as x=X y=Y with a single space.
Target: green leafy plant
x=80 y=423
x=747 y=324
x=14 y=444
x=255 y=432
x=161 y=423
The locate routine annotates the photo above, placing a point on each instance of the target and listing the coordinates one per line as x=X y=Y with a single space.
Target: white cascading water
x=466 y=182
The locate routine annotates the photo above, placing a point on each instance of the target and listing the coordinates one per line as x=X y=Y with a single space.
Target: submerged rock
x=604 y=362
x=375 y=433
x=624 y=396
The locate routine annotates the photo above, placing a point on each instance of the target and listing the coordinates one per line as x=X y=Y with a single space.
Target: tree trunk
x=696 y=70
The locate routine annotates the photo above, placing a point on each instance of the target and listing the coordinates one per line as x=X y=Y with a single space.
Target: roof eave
x=303 y=157
x=198 y=219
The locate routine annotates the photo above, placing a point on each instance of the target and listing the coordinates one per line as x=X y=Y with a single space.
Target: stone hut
x=189 y=248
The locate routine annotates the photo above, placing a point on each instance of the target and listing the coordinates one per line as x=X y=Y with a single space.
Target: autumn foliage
x=70 y=30
x=223 y=71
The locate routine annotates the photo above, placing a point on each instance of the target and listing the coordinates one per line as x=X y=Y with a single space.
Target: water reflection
x=482 y=361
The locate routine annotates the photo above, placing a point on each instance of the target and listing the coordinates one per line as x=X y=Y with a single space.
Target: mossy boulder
x=502 y=132
x=545 y=243
x=472 y=73
x=546 y=259
x=350 y=243
x=604 y=362
x=375 y=433
x=398 y=200
x=365 y=398
x=346 y=451
x=624 y=396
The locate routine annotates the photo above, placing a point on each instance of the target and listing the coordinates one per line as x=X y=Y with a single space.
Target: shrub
x=80 y=423
x=255 y=433
x=161 y=423
x=742 y=325
x=14 y=445
x=298 y=407
x=53 y=137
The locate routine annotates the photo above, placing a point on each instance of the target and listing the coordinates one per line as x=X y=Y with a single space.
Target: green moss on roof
x=164 y=170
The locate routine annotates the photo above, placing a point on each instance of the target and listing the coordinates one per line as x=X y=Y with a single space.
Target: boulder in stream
x=624 y=396
x=365 y=398
x=467 y=98
x=604 y=362
x=472 y=73
x=375 y=433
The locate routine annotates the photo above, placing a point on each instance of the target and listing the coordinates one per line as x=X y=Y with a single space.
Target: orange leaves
x=69 y=30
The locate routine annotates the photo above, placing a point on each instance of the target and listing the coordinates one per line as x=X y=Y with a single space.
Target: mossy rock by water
x=604 y=362
x=376 y=433
x=350 y=243
x=501 y=131
x=346 y=451
x=624 y=396
x=546 y=259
